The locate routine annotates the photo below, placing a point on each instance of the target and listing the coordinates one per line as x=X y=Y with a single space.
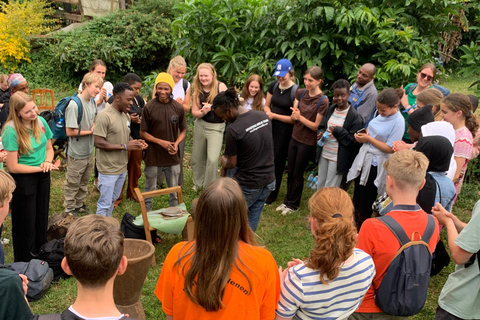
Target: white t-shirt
x=249 y=103
x=178 y=90
x=96 y=318
x=109 y=87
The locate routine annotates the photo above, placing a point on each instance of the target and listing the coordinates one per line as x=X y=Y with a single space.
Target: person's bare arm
x=268 y=101
x=460 y=162
x=380 y=145
x=459 y=255
x=229 y=162
x=102 y=143
x=310 y=124
x=74 y=132
x=15 y=167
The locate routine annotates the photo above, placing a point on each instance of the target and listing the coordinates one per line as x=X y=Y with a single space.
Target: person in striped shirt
x=332 y=281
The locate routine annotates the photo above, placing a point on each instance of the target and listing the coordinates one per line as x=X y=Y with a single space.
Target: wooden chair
x=44 y=102
x=187 y=233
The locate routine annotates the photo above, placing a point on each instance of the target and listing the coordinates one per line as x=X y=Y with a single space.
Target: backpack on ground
x=53 y=252
x=57 y=124
x=132 y=231
x=39 y=276
x=403 y=290
x=292 y=92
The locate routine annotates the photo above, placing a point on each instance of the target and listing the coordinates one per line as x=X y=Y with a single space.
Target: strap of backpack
x=320 y=102
x=80 y=114
x=411 y=88
x=396 y=229
x=427 y=234
x=302 y=94
x=185 y=85
x=292 y=93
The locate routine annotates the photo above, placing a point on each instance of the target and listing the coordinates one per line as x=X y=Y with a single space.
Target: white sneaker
x=281 y=207
x=287 y=210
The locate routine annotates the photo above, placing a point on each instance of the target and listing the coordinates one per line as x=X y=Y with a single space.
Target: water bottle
x=310 y=180
x=315 y=183
x=59 y=123
x=323 y=139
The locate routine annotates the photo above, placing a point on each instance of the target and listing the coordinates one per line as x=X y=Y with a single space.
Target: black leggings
x=30 y=203
x=364 y=197
x=299 y=154
x=282 y=133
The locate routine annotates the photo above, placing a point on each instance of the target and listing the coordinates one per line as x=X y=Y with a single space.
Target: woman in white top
x=252 y=93
x=331 y=282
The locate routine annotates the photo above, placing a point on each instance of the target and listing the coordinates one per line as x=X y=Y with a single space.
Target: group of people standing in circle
x=352 y=139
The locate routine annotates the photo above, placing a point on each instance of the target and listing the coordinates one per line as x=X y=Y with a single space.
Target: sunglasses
x=424 y=75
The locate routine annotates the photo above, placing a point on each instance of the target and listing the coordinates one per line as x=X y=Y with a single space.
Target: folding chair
x=187 y=233
x=44 y=102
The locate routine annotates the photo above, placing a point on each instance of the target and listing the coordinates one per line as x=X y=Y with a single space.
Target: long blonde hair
x=198 y=87
x=17 y=102
x=221 y=221
x=335 y=232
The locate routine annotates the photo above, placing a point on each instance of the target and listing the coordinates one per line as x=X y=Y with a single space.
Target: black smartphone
x=362 y=130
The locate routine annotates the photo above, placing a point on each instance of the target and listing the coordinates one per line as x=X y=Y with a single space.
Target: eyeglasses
x=424 y=75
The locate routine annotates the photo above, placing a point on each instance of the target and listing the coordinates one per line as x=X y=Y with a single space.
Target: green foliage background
x=245 y=36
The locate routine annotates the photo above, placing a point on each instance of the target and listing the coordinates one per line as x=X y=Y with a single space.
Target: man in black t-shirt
x=249 y=148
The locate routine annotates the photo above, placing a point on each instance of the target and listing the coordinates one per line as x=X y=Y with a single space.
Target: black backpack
x=53 y=253
x=403 y=290
x=133 y=231
x=39 y=276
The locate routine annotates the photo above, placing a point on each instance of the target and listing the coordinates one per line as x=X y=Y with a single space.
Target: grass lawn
x=285 y=236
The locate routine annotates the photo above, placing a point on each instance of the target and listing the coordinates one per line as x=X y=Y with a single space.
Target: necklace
x=283 y=89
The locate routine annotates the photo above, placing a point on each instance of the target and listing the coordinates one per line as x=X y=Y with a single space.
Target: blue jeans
x=255 y=199
x=110 y=188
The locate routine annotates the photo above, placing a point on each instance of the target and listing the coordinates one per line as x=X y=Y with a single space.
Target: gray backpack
x=39 y=275
x=403 y=290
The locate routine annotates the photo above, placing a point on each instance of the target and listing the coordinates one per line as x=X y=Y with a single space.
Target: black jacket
x=347 y=145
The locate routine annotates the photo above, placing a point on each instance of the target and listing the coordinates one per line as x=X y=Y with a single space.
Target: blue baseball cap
x=282 y=67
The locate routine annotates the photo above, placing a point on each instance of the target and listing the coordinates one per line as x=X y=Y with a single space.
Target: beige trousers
x=76 y=182
x=207 y=144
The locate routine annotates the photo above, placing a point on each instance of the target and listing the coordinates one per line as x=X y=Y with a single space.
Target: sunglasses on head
x=424 y=75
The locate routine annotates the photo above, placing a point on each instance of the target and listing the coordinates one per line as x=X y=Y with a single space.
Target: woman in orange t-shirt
x=222 y=274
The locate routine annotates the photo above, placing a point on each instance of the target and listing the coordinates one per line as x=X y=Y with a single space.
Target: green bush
x=244 y=36
x=123 y=39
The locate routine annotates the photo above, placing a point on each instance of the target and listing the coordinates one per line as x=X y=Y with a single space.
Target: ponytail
x=471 y=122
x=331 y=210
x=334 y=243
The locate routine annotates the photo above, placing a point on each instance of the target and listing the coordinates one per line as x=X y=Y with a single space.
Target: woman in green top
x=26 y=139
x=425 y=77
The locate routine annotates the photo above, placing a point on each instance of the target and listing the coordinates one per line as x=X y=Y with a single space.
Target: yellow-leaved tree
x=19 y=20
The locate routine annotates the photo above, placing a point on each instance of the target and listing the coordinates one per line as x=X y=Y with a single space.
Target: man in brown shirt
x=164 y=127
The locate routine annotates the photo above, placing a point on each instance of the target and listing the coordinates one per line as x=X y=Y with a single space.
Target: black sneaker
x=82 y=211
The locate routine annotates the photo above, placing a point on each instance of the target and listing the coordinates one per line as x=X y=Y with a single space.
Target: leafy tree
x=20 y=20
x=123 y=39
x=244 y=36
